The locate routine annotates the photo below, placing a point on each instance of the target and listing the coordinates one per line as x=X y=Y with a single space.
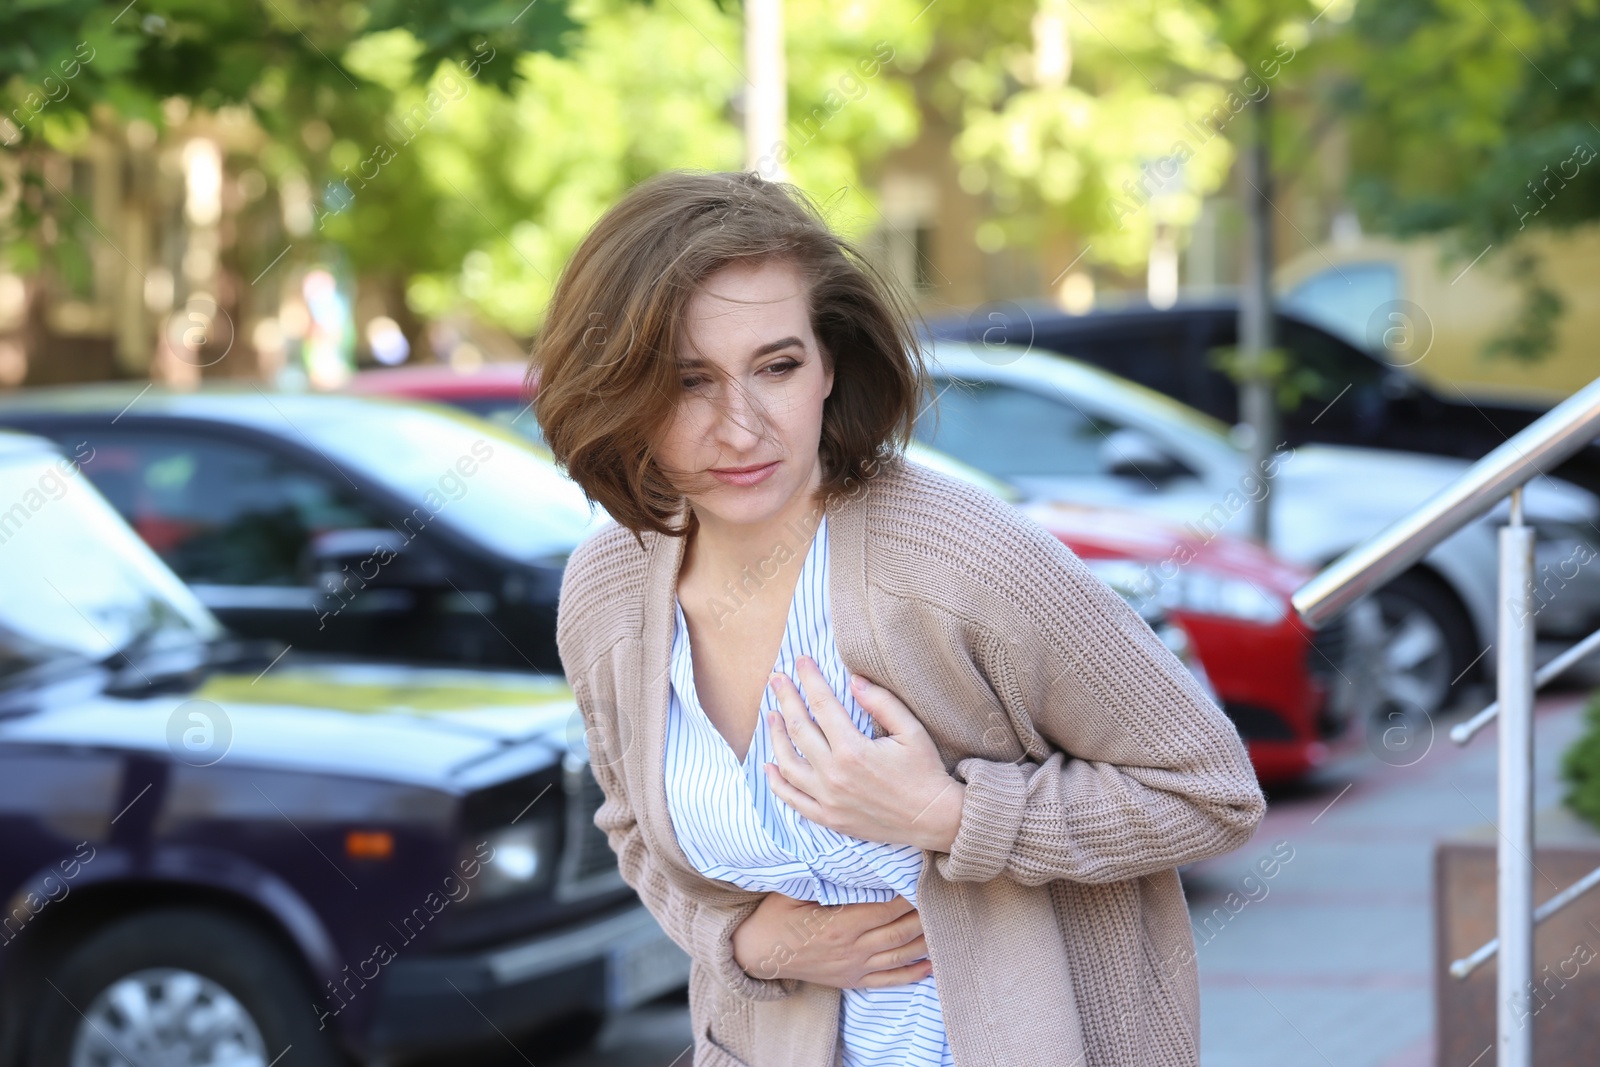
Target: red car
x=1267 y=669
x=1232 y=598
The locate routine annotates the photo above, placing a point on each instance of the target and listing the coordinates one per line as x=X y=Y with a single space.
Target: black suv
x=360 y=525
x=215 y=849
x=1349 y=396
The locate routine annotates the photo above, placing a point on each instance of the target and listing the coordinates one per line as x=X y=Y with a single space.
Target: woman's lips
x=748 y=476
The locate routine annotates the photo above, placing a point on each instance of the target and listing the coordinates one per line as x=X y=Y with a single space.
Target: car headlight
x=1193 y=590
x=512 y=859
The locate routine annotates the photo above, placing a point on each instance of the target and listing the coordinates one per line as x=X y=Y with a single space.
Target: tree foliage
x=1138 y=130
x=1477 y=118
x=461 y=149
x=520 y=177
x=65 y=64
x=58 y=58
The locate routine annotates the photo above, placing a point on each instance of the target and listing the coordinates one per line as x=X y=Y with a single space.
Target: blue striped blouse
x=732 y=827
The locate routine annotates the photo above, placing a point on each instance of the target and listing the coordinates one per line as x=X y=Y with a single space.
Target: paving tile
x=1329 y=962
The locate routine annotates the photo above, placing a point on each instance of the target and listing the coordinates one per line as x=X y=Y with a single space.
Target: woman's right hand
x=848 y=946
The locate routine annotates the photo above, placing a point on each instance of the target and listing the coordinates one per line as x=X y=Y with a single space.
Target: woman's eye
x=777 y=370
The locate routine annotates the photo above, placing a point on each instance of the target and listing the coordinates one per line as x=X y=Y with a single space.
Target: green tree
x=459 y=163
x=1135 y=130
x=1115 y=120
x=518 y=178
x=67 y=63
x=1477 y=120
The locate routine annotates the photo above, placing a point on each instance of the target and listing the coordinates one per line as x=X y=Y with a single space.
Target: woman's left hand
x=892 y=789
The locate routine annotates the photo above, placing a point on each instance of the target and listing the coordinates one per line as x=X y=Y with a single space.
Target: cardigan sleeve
x=1144 y=772
x=700 y=926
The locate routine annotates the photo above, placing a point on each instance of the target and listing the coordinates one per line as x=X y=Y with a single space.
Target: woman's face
x=753 y=385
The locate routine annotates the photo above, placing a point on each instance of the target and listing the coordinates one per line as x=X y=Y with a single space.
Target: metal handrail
x=1462 y=732
x=1537 y=448
x=1550 y=439
x=1467 y=964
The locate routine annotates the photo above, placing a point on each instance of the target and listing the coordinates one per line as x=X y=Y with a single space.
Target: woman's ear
x=827 y=368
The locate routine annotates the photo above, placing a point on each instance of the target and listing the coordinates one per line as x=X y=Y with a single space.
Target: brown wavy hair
x=605 y=362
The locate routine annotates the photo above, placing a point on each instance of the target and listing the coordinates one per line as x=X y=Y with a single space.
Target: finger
x=899 y=955
x=915 y=949
x=912 y=951
x=911 y=972
x=884 y=706
x=892 y=935
x=831 y=716
x=889 y=910
x=915 y=972
x=787 y=792
x=871 y=915
x=791 y=762
x=807 y=736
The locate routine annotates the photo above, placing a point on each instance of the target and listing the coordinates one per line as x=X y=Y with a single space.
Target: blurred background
x=1215 y=290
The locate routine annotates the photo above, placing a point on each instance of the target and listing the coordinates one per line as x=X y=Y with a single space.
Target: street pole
x=1514 y=850
x=766 y=108
x=1257 y=406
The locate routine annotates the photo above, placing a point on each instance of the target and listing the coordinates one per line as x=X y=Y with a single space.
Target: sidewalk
x=1328 y=962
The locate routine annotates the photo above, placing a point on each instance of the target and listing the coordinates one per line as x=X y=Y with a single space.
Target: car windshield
x=488 y=482
x=76 y=583
x=504 y=411
x=1058 y=416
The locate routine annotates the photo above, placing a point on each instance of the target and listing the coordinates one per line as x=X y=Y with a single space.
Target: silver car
x=1061 y=429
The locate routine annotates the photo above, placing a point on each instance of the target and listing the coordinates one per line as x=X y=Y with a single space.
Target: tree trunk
x=1257 y=404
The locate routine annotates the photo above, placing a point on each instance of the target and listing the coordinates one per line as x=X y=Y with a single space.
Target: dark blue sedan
x=213 y=850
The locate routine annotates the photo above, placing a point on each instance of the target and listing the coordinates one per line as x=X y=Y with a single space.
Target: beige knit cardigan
x=1094 y=764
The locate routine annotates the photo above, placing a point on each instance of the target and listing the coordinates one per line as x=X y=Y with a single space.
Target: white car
x=1060 y=429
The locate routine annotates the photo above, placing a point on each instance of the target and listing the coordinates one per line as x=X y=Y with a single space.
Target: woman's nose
x=740 y=418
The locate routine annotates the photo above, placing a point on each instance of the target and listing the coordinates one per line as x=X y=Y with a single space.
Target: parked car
x=1062 y=430
x=360 y=525
x=215 y=851
x=1353 y=396
x=494 y=391
x=1291 y=692
x=1229 y=599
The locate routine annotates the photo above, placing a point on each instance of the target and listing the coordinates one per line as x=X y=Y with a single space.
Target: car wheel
x=1426 y=643
x=182 y=986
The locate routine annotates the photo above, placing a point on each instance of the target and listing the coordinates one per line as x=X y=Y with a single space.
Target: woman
x=908 y=783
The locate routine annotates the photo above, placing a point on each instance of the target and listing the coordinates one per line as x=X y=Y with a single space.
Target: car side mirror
x=1130 y=454
x=377 y=556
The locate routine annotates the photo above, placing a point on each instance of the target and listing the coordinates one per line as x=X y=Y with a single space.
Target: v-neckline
x=783 y=641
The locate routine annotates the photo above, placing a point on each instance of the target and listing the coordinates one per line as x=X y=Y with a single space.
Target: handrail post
x=1514 y=853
